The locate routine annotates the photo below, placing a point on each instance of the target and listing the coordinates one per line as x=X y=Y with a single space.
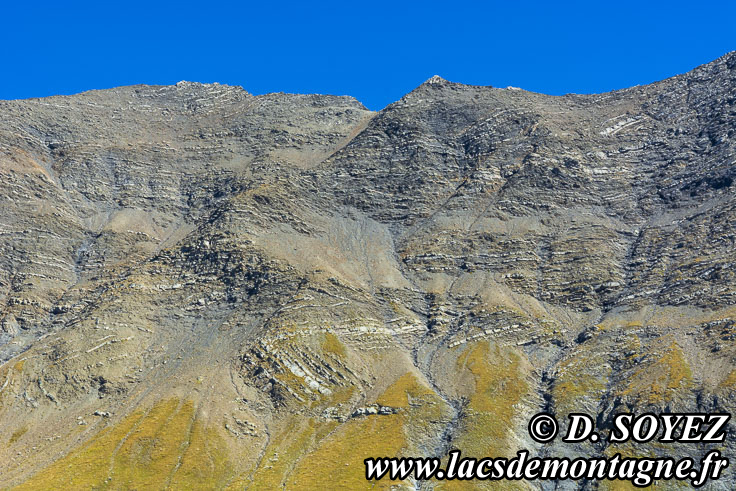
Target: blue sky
x=375 y=51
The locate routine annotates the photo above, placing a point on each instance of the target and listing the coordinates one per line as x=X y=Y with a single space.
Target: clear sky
x=376 y=51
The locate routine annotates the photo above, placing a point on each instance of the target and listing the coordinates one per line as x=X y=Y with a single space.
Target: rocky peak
x=435 y=80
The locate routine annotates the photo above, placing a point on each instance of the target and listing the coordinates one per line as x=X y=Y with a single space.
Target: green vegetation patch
x=165 y=448
x=487 y=420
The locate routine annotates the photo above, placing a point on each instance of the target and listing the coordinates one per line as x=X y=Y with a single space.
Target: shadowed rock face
x=201 y=287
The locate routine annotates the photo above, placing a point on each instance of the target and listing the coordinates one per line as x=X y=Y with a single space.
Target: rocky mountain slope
x=202 y=288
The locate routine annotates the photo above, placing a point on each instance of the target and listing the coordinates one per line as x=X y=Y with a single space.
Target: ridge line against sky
x=375 y=53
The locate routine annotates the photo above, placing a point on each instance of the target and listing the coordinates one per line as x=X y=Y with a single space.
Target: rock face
x=204 y=288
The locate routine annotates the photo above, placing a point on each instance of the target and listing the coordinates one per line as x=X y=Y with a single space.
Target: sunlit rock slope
x=201 y=288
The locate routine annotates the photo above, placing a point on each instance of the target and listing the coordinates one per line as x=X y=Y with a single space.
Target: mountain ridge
x=281 y=275
x=727 y=58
